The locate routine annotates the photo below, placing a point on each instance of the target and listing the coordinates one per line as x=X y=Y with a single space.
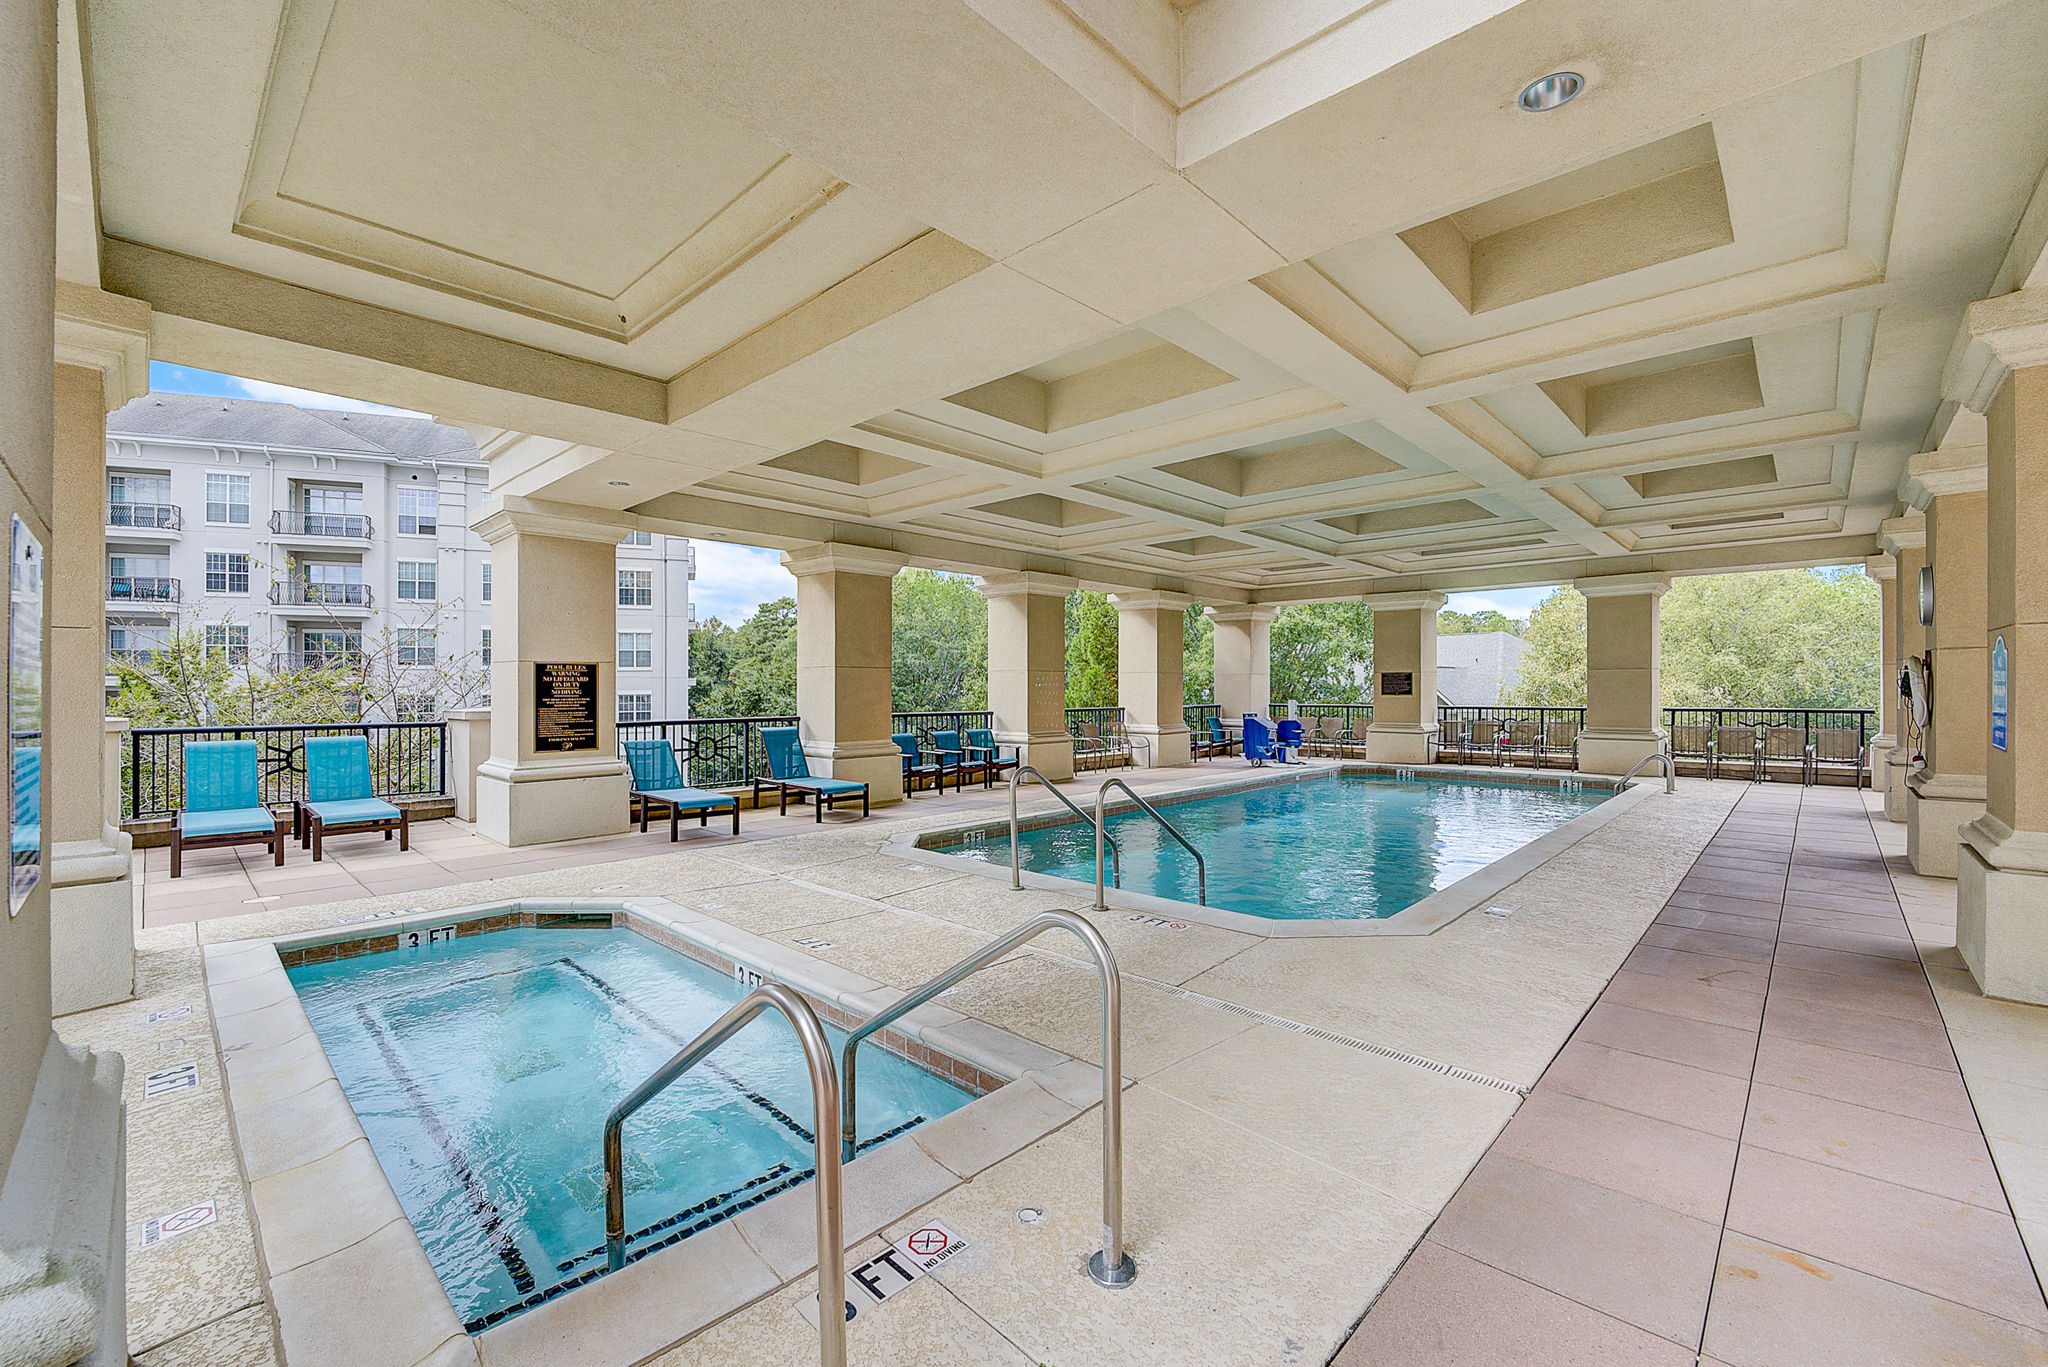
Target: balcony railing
x=1786 y=733
x=713 y=752
x=407 y=759
x=130 y=588
x=162 y=517
x=1498 y=735
x=295 y=522
x=1196 y=716
x=302 y=593
x=294 y=661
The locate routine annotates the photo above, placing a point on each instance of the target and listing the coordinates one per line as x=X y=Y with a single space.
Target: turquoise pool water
x=1338 y=847
x=482 y=1068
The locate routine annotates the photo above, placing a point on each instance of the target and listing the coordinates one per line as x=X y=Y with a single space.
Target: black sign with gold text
x=565 y=706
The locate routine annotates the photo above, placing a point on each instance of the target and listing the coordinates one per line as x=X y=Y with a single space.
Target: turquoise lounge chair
x=982 y=748
x=223 y=805
x=339 y=796
x=788 y=772
x=915 y=767
x=658 y=782
x=954 y=750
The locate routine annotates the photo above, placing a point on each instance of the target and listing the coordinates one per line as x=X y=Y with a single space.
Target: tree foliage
x=939 y=642
x=1553 y=670
x=1198 y=656
x=1321 y=653
x=1449 y=623
x=748 y=670
x=1091 y=649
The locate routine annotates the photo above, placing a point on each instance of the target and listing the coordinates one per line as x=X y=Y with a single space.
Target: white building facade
x=307 y=536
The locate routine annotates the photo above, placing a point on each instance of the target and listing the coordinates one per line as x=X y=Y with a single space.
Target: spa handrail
x=824 y=1100
x=1110 y=1265
x=1102 y=833
x=1016 y=869
x=1655 y=756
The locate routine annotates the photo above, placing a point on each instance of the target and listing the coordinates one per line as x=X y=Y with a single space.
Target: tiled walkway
x=1755 y=1151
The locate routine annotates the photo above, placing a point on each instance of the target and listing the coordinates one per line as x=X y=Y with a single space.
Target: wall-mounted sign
x=24 y=717
x=565 y=706
x=2000 y=664
x=1397 y=685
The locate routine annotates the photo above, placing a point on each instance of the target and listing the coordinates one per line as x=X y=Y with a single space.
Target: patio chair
x=223 y=805
x=1518 y=736
x=1742 y=746
x=981 y=745
x=1292 y=736
x=1327 y=737
x=1838 y=747
x=789 y=772
x=1558 y=738
x=658 y=783
x=1787 y=743
x=920 y=765
x=952 y=749
x=1221 y=742
x=1090 y=750
x=339 y=796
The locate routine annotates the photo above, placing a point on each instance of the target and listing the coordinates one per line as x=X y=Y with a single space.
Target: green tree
x=1450 y=623
x=1091 y=649
x=1553 y=671
x=1322 y=652
x=756 y=662
x=939 y=642
x=1198 y=656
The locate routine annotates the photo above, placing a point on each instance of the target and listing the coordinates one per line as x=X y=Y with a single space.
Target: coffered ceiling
x=1251 y=298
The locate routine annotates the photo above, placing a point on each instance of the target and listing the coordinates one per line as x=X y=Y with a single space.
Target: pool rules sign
x=565 y=706
x=2000 y=667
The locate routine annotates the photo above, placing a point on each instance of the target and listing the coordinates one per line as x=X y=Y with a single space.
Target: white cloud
x=734 y=580
x=309 y=398
x=1518 y=603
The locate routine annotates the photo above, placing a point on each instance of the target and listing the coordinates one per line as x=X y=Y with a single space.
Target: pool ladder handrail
x=1102 y=832
x=1111 y=1265
x=1662 y=757
x=1016 y=868
x=824 y=1100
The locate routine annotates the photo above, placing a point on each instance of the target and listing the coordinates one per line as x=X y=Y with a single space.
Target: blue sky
x=731 y=580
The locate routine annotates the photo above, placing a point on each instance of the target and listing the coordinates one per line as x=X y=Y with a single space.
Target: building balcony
x=294 y=661
x=137 y=593
x=145 y=521
x=324 y=529
x=350 y=600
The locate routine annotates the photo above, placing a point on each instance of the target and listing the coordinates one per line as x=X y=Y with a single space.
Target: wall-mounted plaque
x=565 y=706
x=1399 y=684
x=24 y=717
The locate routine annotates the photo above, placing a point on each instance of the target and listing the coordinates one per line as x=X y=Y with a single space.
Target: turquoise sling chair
x=658 y=782
x=223 y=802
x=339 y=796
x=982 y=748
x=915 y=767
x=789 y=773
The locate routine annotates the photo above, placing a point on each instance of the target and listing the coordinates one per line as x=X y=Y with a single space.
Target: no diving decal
x=895 y=1268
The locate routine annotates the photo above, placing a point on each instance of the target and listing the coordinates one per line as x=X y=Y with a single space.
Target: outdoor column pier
x=1906 y=539
x=1404 y=725
x=2002 y=864
x=1027 y=668
x=555 y=776
x=1149 y=645
x=1623 y=694
x=102 y=350
x=1884 y=570
x=1948 y=794
x=843 y=642
x=1244 y=658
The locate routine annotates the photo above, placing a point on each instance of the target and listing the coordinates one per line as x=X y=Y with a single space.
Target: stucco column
x=1244 y=658
x=1404 y=724
x=102 y=348
x=1027 y=668
x=1149 y=659
x=1884 y=570
x=1948 y=793
x=1906 y=539
x=554 y=602
x=469 y=745
x=843 y=678
x=2002 y=865
x=1623 y=694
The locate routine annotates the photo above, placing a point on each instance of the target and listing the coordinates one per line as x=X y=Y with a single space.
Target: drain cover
x=1031 y=1215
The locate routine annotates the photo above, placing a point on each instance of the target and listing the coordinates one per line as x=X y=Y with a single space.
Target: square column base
x=541 y=801
x=1617 y=752
x=879 y=764
x=1881 y=748
x=1937 y=809
x=1051 y=753
x=1898 y=765
x=2002 y=911
x=92 y=926
x=1400 y=742
x=1160 y=747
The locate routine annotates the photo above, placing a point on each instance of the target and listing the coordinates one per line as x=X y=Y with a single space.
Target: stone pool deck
x=1301 y=1114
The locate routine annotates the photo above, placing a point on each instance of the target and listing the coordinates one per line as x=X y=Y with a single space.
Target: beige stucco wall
x=2016 y=603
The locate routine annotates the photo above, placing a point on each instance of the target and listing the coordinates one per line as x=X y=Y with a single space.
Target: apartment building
x=295 y=536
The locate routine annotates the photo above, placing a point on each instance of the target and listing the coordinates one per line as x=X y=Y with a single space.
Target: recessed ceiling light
x=1542 y=96
x=618 y=483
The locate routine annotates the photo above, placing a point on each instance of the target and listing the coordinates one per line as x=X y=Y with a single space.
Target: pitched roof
x=254 y=422
x=1475 y=669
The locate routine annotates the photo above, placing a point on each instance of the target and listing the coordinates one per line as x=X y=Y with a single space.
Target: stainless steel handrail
x=1657 y=757
x=1102 y=833
x=1016 y=869
x=824 y=1100
x=1110 y=1265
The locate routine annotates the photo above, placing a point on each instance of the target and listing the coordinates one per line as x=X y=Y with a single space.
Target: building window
x=636 y=707
x=416 y=581
x=638 y=539
x=636 y=650
x=417 y=706
x=486 y=652
x=487 y=581
x=324 y=648
x=229 y=640
x=415 y=646
x=227 y=499
x=636 y=588
x=227 y=572
x=419 y=512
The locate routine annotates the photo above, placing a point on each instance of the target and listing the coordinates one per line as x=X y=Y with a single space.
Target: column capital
x=1026 y=583
x=505 y=518
x=1905 y=533
x=1881 y=566
x=1241 y=614
x=1998 y=337
x=832 y=557
x=1405 y=602
x=1623 y=585
x=1949 y=470
x=108 y=333
x=1150 y=601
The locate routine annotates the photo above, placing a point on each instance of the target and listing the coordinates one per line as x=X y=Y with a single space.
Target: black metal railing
x=1786 y=732
x=162 y=517
x=922 y=724
x=407 y=759
x=1196 y=716
x=130 y=588
x=1541 y=735
x=313 y=593
x=291 y=661
x=299 y=522
x=713 y=752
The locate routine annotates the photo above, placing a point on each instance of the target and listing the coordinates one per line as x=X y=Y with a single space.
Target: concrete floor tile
x=1715 y=1048
x=1709 y=970
x=1684 y=1169
x=1931 y=1094
x=1863 y=1032
x=1744 y=947
x=1892 y=1148
x=245 y=1338
x=1903 y=996
x=1650 y=1086
x=1690 y=1000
